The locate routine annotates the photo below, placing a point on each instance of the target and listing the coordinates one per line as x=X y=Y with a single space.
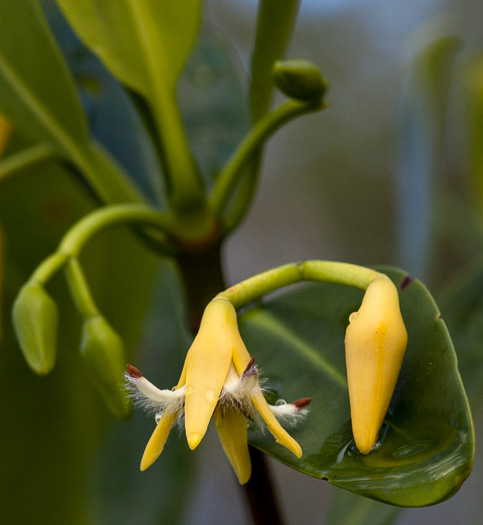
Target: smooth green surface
x=30 y=59
x=56 y=422
x=275 y=23
x=145 y=44
x=347 y=508
x=49 y=111
x=427 y=438
x=35 y=316
x=142 y=42
x=462 y=307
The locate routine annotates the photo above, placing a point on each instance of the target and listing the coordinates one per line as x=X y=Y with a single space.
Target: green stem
x=233 y=171
x=185 y=185
x=24 y=159
x=75 y=239
x=83 y=231
x=321 y=271
x=48 y=267
x=80 y=290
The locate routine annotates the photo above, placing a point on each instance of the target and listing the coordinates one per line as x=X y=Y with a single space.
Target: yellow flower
x=375 y=344
x=219 y=379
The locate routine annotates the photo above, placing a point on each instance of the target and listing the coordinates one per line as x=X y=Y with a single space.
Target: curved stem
x=322 y=271
x=83 y=231
x=265 y=127
x=75 y=239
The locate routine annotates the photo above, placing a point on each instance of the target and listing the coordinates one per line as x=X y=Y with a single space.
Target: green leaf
x=57 y=422
x=427 y=441
x=38 y=95
x=462 y=306
x=118 y=486
x=473 y=97
x=274 y=27
x=37 y=92
x=144 y=43
x=423 y=111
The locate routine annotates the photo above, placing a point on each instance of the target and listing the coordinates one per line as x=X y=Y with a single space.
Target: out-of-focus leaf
x=423 y=111
x=347 y=508
x=211 y=91
x=123 y=493
x=462 y=306
x=275 y=23
x=38 y=95
x=5 y=132
x=43 y=472
x=473 y=94
x=36 y=89
x=144 y=43
x=426 y=443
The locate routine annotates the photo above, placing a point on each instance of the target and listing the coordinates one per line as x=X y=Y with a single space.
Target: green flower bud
x=103 y=354
x=299 y=79
x=35 y=319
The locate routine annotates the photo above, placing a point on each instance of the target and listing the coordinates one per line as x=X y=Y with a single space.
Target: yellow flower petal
x=232 y=431
x=157 y=440
x=375 y=343
x=207 y=365
x=281 y=436
x=241 y=358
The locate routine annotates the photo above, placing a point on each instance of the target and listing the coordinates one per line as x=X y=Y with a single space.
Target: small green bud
x=103 y=354
x=35 y=319
x=299 y=79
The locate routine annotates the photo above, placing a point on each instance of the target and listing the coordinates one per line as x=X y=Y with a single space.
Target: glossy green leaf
x=275 y=23
x=37 y=92
x=426 y=443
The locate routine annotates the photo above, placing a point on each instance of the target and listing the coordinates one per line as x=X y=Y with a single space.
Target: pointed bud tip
x=194 y=440
x=133 y=372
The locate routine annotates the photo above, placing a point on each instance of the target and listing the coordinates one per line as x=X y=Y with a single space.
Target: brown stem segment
x=260 y=492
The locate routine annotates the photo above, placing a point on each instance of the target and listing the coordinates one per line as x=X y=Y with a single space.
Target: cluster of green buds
x=36 y=316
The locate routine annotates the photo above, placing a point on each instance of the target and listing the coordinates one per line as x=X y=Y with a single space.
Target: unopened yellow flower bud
x=103 y=355
x=35 y=319
x=375 y=344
